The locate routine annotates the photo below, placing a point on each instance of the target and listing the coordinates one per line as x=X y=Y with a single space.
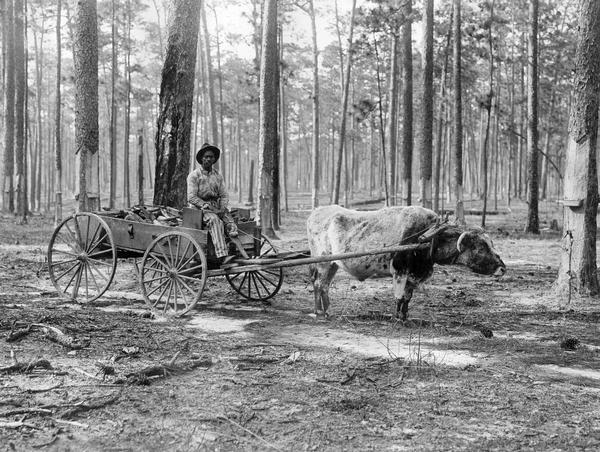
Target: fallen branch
x=26 y=367
x=56 y=335
x=16 y=424
x=38 y=390
x=73 y=423
x=143 y=376
x=17 y=334
x=25 y=411
x=249 y=432
x=94 y=404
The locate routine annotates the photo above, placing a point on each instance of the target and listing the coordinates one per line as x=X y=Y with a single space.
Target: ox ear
x=434 y=230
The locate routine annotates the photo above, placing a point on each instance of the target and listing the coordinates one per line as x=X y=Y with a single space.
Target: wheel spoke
x=99 y=262
x=157 y=278
x=255 y=285
x=188 y=260
x=94 y=279
x=183 y=297
x=191 y=290
x=166 y=284
x=100 y=253
x=262 y=276
x=160 y=261
x=96 y=242
x=260 y=279
x=68 y=253
x=87 y=292
x=157 y=287
x=191 y=270
x=166 y=305
x=100 y=273
x=57 y=278
x=72 y=238
x=78 y=234
x=78 y=281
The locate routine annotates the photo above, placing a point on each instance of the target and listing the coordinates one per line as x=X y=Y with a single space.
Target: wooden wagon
x=172 y=262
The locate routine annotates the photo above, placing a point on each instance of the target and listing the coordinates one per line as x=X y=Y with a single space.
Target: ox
x=335 y=230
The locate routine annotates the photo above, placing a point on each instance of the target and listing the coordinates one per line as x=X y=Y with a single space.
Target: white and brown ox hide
x=336 y=230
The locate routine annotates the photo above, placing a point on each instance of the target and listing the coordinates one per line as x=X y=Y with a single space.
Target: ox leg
x=321 y=276
x=403 y=291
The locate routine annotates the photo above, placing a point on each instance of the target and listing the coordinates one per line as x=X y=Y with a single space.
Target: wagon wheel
x=82 y=257
x=259 y=285
x=173 y=273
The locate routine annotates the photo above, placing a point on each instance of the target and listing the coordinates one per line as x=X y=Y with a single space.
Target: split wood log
x=16 y=424
x=25 y=411
x=92 y=404
x=26 y=367
x=56 y=335
x=143 y=376
x=17 y=334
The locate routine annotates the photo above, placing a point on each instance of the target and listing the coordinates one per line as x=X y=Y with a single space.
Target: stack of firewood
x=167 y=216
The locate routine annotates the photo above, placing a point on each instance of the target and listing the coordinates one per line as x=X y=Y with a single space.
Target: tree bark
x=176 y=97
x=578 y=269
x=269 y=98
x=458 y=130
x=20 y=82
x=426 y=147
x=392 y=119
x=437 y=182
x=407 y=99
x=214 y=125
x=9 y=110
x=340 y=155
x=86 y=101
x=315 y=109
x=488 y=107
x=140 y=167
x=126 y=170
x=533 y=224
x=113 y=111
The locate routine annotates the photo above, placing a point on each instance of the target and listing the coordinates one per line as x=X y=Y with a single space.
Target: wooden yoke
x=434 y=230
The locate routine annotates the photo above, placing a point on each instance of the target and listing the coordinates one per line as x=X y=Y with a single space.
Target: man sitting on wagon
x=206 y=191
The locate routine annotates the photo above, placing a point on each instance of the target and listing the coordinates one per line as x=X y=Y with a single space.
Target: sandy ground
x=240 y=375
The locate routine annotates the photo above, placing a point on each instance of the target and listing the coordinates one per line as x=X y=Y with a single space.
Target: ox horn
x=460 y=239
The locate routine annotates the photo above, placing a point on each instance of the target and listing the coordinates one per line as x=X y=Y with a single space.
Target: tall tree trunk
x=36 y=167
x=426 y=147
x=437 y=183
x=533 y=224
x=57 y=119
x=315 y=109
x=20 y=83
x=578 y=268
x=340 y=155
x=392 y=119
x=458 y=130
x=488 y=107
x=221 y=119
x=269 y=97
x=407 y=99
x=140 y=167
x=283 y=123
x=214 y=125
x=173 y=132
x=126 y=181
x=9 y=110
x=86 y=103
x=113 y=111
